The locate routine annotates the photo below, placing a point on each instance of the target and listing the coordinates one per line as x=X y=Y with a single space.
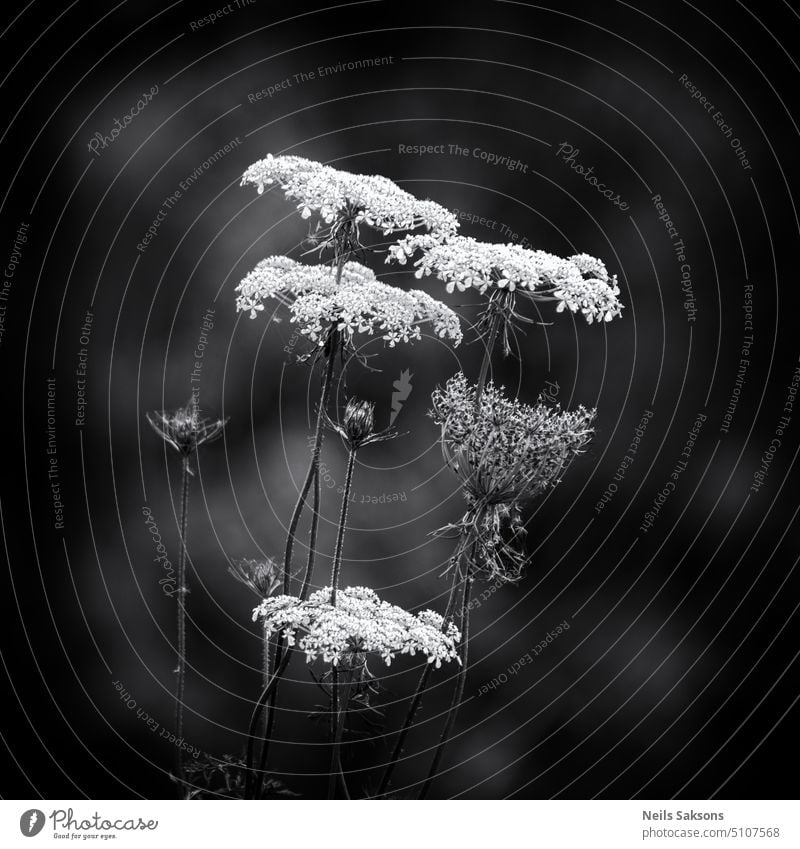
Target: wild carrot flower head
x=359 y=623
x=357 y=303
x=360 y=199
x=262 y=577
x=504 y=453
x=183 y=428
x=579 y=283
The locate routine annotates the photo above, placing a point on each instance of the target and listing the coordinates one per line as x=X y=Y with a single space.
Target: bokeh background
x=678 y=674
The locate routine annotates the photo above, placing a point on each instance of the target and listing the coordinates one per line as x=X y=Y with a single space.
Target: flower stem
x=180 y=681
x=281 y=659
x=337 y=714
x=494 y=327
x=312 y=474
x=333 y=773
x=337 y=557
x=458 y=695
x=251 y=732
x=417 y=698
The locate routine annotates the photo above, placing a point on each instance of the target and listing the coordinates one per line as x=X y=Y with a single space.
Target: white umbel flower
x=370 y=199
x=580 y=283
x=359 y=623
x=357 y=304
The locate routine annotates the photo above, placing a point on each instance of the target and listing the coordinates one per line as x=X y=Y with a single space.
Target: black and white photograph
x=401 y=405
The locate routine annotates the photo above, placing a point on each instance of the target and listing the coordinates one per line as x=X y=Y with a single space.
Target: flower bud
x=359 y=421
x=263 y=577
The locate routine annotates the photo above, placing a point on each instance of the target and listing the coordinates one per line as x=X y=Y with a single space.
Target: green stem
x=458 y=694
x=180 y=682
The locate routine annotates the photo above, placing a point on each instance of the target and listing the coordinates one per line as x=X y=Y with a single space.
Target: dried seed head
x=263 y=577
x=505 y=453
x=359 y=421
x=183 y=429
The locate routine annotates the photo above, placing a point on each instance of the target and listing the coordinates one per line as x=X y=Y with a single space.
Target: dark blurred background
x=677 y=675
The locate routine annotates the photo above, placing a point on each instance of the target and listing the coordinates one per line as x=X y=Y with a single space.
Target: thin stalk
x=312 y=478
x=494 y=328
x=337 y=721
x=270 y=691
x=337 y=557
x=333 y=773
x=254 y=719
x=269 y=717
x=458 y=695
x=312 y=474
x=417 y=698
x=180 y=681
x=265 y=657
x=266 y=652
x=338 y=717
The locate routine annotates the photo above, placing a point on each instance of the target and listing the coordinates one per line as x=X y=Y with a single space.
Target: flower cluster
x=359 y=623
x=369 y=199
x=504 y=452
x=354 y=302
x=580 y=283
